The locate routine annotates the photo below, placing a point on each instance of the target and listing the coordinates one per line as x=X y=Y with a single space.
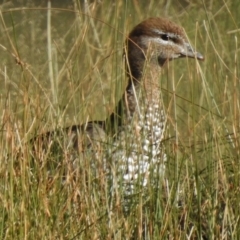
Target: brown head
x=157 y=40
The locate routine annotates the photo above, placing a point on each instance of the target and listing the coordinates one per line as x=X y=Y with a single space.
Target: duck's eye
x=165 y=37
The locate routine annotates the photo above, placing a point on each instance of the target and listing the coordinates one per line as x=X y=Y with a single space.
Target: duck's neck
x=143 y=90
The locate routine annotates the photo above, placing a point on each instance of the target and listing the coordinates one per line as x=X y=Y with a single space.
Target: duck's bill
x=190 y=52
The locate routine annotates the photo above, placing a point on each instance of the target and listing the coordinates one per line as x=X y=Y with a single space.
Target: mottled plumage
x=139 y=155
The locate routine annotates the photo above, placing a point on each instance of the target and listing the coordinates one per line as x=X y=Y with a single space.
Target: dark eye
x=165 y=37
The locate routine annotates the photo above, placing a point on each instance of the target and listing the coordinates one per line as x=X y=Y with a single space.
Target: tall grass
x=43 y=196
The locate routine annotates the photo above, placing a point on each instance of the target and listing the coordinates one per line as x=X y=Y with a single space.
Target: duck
x=138 y=123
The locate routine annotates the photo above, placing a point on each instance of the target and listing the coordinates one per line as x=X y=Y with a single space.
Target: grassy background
x=83 y=82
